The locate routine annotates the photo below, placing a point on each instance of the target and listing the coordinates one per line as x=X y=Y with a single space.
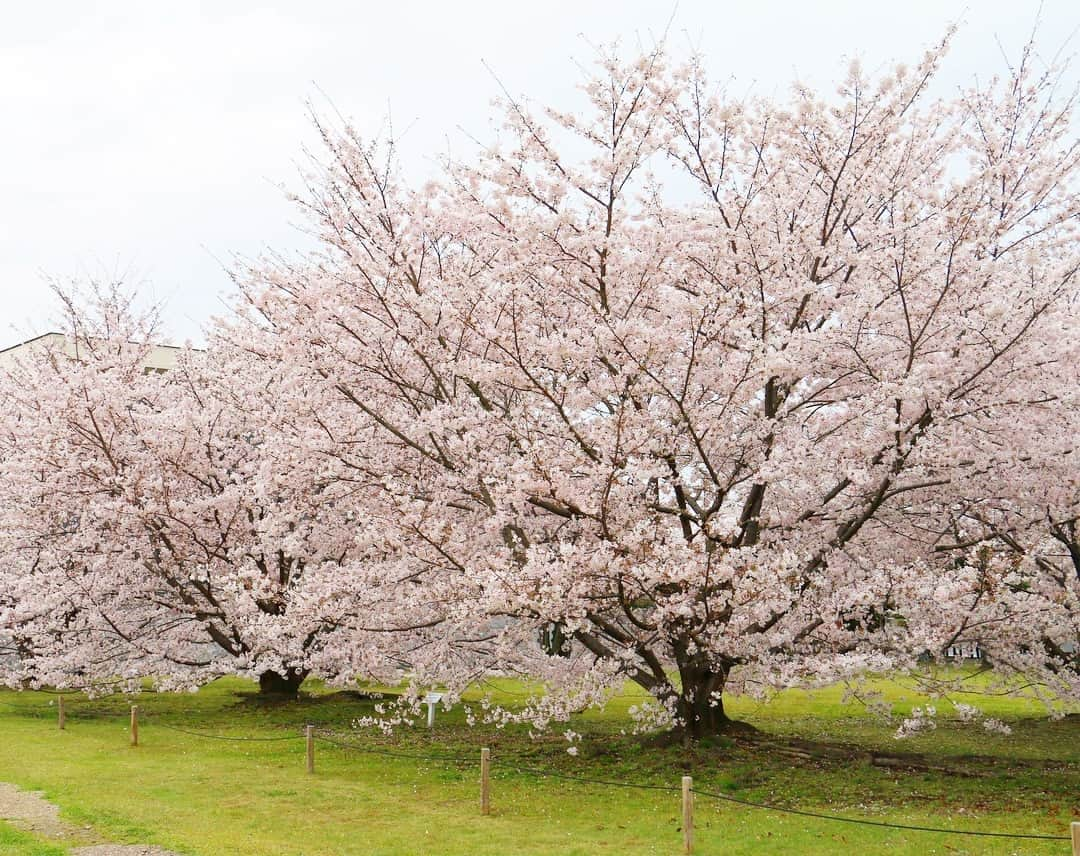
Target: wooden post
x=61 y=715
x=1075 y=827
x=688 y=814
x=485 y=781
x=134 y=725
x=309 y=736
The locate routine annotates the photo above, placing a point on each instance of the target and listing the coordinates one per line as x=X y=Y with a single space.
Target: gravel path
x=31 y=812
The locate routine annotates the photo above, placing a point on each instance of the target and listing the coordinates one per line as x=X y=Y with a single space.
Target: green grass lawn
x=218 y=797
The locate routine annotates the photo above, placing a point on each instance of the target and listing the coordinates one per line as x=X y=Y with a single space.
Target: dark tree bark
x=285 y=685
x=696 y=698
x=699 y=704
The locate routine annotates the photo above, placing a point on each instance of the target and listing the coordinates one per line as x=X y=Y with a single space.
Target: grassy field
x=218 y=797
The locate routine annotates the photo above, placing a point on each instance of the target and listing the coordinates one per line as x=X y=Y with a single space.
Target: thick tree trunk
x=277 y=684
x=699 y=705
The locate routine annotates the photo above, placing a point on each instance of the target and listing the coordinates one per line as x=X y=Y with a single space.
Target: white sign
x=432 y=699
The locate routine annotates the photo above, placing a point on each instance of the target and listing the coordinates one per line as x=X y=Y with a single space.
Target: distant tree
x=1008 y=554
x=152 y=527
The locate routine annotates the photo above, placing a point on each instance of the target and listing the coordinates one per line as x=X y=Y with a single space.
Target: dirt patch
x=31 y=812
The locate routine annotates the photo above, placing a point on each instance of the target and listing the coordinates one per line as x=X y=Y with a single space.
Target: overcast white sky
x=149 y=139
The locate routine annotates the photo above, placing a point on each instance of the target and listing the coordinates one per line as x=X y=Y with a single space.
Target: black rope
x=457 y=759
x=25 y=710
x=880 y=823
x=670 y=789
x=801 y=812
x=154 y=721
x=371 y=750
x=76 y=689
x=583 y=779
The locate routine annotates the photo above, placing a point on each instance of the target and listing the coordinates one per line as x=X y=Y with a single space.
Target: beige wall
x=161 y=357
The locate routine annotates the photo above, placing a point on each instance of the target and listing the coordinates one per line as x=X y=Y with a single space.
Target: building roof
x=160 y=357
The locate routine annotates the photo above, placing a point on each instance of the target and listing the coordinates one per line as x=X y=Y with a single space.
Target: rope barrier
x=669 y=788
x=880 y=823
x=457 y=759
x=371 y=750
x=154 y=721
x=454 y=759
x=24 y=710
x=648 y=787
x=584 y=779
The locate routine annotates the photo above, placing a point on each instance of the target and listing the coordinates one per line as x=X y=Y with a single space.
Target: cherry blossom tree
x=152 y=527
x=671 y=388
